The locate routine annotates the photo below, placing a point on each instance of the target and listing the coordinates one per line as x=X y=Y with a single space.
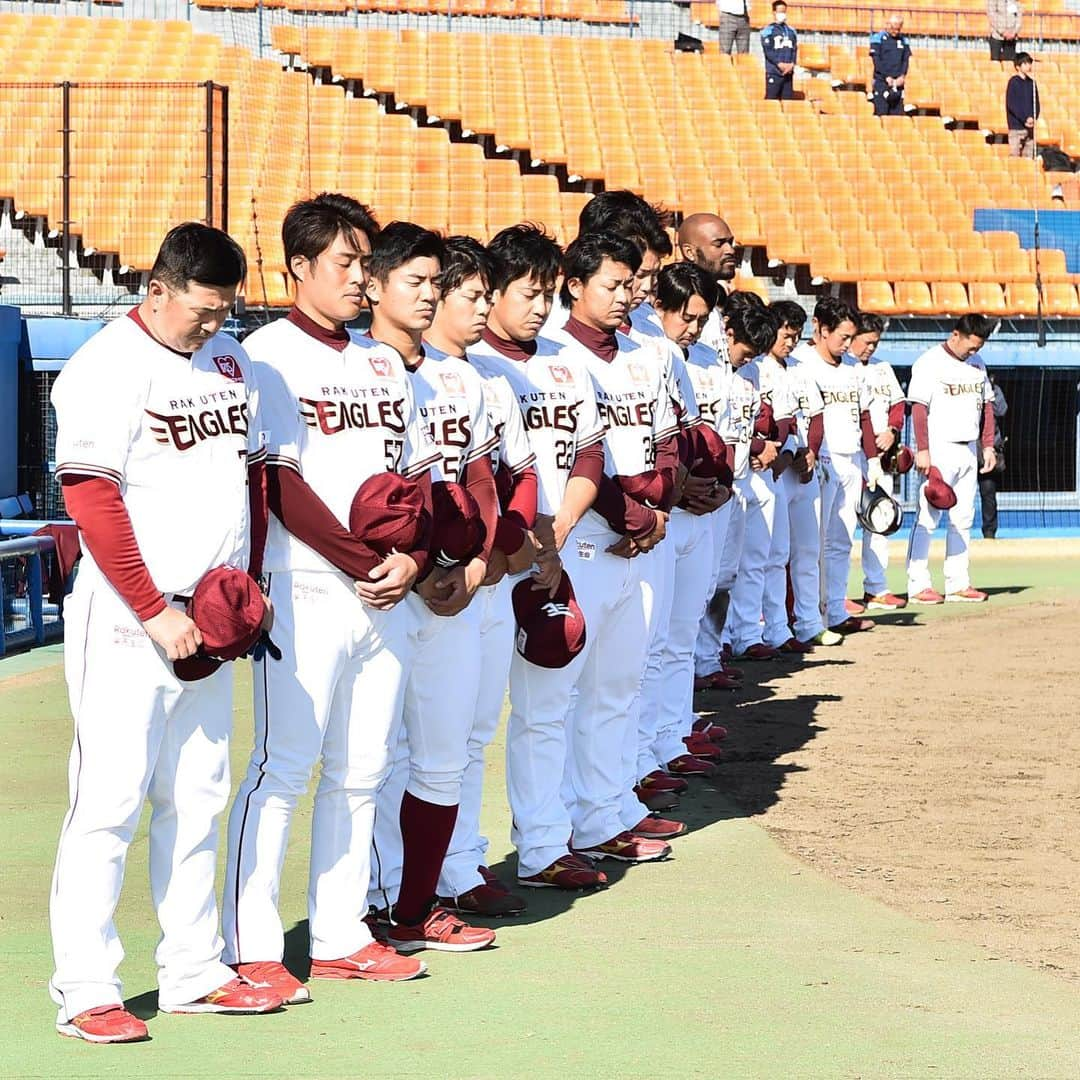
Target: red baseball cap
x=388 y=514
x=711 y=451
x=457 y=531
x=550 y=629
x=938 y=494
x=228 y=609
x=898 y=460
x=650 y=488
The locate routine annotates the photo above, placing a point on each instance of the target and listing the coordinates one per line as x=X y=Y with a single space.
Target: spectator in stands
x=1022 y=107
x=988 y=482
x=891 y=55
x=780 y=45
x=734 y=26
x=1004 y=16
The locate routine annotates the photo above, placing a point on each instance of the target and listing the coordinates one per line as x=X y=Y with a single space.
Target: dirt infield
x=933 y=767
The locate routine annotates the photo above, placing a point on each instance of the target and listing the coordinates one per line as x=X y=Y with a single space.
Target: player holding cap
x=951 y=410
x=158 y=411
x=417 y=284
x=846 y=425
x=340 y=410
x=888 y=409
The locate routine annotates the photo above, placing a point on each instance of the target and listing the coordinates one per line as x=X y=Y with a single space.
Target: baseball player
x=951 y=412
x=846 y=425
x=887 y=413
x=156 y=413
x=416 y=807
x=520 y=283
x=339 y=410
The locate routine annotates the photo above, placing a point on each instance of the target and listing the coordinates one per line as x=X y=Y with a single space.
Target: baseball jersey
x=735 y=421
x=714 y=336
x=883 y=387
x=691 y=413
x=955 y=393
x=773 y=385
x=336 y=417
x=709 y=378
x=512 y=447
x=558 y=405
x=804 y=393
x=450 y=398
x=646 y=330
x=175 y=433
x=844 y=396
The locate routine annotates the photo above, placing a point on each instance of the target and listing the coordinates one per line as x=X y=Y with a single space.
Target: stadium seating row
x=608 y=12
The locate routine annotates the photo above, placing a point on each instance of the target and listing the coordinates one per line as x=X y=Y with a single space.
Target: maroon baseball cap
x=650 y=488
x=550 y=629
x=388 y=514
x=711 y=452
x=898 y=460
x=457 y=531
x=228 y=609
x=938 y=494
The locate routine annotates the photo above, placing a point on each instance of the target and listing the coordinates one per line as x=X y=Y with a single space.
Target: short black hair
x=312 y=225
x=981 y=326
x=401 y=242
x=585 y=255
x=752 y=325
x=464 y=257
x=867 y=323
x=1023 y=58
x=626 y=214
x=194 y=252
x=678 y=282
x=830 y=312
x=524 y=250
x=738 y=300
x=790 y=314
x=779 y=4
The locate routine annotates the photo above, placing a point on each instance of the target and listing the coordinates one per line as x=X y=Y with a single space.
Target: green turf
x=731 y=960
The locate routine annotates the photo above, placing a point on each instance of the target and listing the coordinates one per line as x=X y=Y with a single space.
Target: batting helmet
x=879 y=512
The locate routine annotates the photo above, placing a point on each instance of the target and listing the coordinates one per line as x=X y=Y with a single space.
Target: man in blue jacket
x=1022 y=107
x=891 y=55
x=780 y=44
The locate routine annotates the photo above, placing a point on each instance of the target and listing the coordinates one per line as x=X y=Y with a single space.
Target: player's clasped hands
x=452 y=591
x=390 y=582
x=175 y=633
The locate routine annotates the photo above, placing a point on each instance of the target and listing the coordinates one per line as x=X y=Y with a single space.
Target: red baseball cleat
x=485 y=900
x=688 y=765
x=700 y=746
x=853 y=625
x=567 y=872
x=713 y=732
x=375 y=963
x=760 y=651
x=441 y=931
x=105 y=1024
x=927 y=596
x=853 y=607
x=490 y=879
x=277 y=977
x=654 y=828
x=966 y=596
x=795 y=647
x=733 y=672
x=628 y=848
x=885 y=601
x=238 y=996
x=660 y=781
x=656 y=800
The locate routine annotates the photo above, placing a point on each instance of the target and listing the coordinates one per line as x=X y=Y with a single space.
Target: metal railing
x=28 y=618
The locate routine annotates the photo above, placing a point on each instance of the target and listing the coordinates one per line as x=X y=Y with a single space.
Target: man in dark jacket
x=891 y=54
x=780 y=44
x=1022 y=107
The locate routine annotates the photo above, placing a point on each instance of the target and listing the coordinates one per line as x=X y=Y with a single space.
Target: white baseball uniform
x=175 y=434
x=468 y=848
x=336 y=415
x=840 y=468
x=885 y=392
x=443 y=677
x=558 y=404
x=955 y=393
x=804 y=505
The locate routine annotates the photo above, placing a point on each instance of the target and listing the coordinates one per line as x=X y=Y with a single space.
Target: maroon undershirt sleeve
x=784 y=429
x=519 y=515
x=480 y=483
x=258 y=516
x=97 y=507
x=896 y=416
x=667 y=464
x=309 y=519
x=626 y=516
x=989 y=425
x=589 y=463
x=815 y=434
x=763 y=425
x=869 y=444
x=920 y=421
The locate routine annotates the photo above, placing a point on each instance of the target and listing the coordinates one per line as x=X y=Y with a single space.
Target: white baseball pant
x=139 y=733
x=468 y=848
x=744 y=613
x=804 y=557
x=875 y=551
x=431 y=751
x=841 y=489
x=728 y=541
x=543 y=739
x=958 y=464
x=692 y=538
x=337 y=691
x=774 y=592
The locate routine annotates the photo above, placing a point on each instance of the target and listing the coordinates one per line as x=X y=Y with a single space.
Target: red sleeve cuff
x=815 y=434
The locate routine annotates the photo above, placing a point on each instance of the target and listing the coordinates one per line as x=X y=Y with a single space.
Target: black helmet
x=879 y=512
